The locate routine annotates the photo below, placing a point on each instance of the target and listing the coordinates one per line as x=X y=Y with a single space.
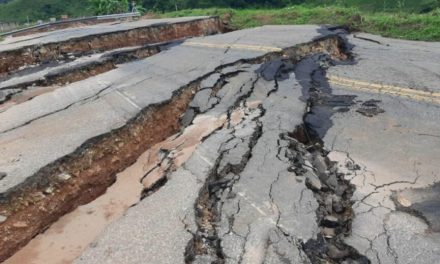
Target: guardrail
x=94 y=18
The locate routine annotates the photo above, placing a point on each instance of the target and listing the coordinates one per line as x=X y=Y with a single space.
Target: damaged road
x=21 y=52
x=250 y=149
x=22 y=87
x=395 y=147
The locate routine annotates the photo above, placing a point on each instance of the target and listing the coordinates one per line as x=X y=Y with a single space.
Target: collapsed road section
x=31 y=202
x=23 y=87
x=222 y=157
x=61 y=45
x=241 y=198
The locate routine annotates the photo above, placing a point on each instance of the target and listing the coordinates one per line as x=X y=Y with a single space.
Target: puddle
x=26 y=96
x=68 y=237
x=421 y=202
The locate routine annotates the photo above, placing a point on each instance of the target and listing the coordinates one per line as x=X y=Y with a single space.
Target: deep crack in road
x=243 y=158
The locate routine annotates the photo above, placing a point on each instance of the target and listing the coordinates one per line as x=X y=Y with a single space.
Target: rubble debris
x=45 y=53
x=64 y=176
x=51 y=78
x=106 y=156
x=334 y=213
x=88 y=181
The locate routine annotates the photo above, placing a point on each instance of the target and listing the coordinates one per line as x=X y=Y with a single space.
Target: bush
x=105 y=7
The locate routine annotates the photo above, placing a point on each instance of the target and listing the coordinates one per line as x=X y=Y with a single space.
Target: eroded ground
x=279 y=144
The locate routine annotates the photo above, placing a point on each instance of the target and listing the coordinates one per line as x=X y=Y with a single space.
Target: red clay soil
x=14 y=59
x=92 y=171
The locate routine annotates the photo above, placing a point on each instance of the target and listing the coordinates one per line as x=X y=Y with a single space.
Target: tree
x=105 y=7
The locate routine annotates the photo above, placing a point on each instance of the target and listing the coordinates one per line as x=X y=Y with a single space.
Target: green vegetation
x=103 y=7
x=22 y=10
x=417 y=6
x=397 y=25
x=367 y=5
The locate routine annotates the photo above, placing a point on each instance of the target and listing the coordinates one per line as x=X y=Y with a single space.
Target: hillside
x=21 y=10
x=370 y=5
x=390 y=5
x=396 y=25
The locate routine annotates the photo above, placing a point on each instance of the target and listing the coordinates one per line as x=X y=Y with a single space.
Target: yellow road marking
x=232 y=46
x=351 y=84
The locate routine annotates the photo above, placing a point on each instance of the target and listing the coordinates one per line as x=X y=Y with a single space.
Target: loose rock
x=336 y=253
x=319 y=164
x=3 y=218
x=313 y=182
x=20 y=224
x=49 y=190
x=329 y=204
x=64 y=176
x=337 y=205
x=330 y=221
x=403 y=201
x=328 y=232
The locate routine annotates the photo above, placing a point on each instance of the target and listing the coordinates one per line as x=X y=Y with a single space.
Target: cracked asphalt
x=396 y=150
x=326 y=153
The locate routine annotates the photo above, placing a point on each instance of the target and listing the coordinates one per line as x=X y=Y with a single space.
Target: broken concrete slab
x=125 y=95
x=46 y=47
x=394 y=149
x=85 y=63
x=258 y=216
x=120 y=94
x=243 y=195
x=243 y=201
x=405 y=60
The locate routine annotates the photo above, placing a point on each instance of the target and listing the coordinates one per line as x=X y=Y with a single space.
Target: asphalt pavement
x=326 y=152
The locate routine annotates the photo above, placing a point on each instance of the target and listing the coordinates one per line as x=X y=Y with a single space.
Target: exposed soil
x=14 y=59
x=90 y=171
x=28 y=90
x=275 y=66
x=81 y=177
x=333 y=194
x=71 y=234
x=72 y=24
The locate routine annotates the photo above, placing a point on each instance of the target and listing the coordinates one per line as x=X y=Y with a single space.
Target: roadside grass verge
x=401 y=25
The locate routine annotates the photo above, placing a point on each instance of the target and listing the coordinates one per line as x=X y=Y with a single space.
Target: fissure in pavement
x=224 y=174
x=308 y=159
x=85 y=174
x=25 y=91
x=38 y=54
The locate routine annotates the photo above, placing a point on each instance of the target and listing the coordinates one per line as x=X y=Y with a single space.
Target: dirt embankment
x=14 y=59
x=84 y=175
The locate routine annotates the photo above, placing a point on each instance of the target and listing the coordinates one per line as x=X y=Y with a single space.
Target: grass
x=401 y=25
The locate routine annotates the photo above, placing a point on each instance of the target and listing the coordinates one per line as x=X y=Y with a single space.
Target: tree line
x=111 y=6
x=168 y=5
